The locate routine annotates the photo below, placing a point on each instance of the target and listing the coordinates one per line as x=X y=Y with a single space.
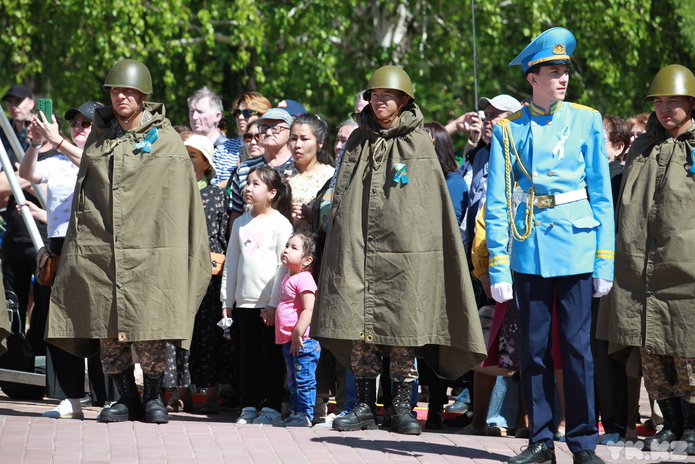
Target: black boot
x=363 y=415
x=402 y=420
x=688 y=435
x=672 y=410
x=155 y=411
x=435 y=407
x=435 y=417
x=129 y=406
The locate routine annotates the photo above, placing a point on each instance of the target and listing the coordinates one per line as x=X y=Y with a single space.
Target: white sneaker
x=248 y=415
x=267 y=416
x=300 y=419
x=66 y=409
x=327 y=421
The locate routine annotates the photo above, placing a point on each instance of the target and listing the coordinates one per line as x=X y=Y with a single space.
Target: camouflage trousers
x=366 y=360
x=117 y=356
x=669 y=376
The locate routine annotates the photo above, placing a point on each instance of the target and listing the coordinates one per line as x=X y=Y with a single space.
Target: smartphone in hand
x=46 y=106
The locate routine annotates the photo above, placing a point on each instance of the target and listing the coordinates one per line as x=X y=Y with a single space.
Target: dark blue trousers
x=535 y=296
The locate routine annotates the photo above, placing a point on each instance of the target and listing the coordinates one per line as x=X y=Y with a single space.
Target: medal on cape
x=692 y=160
x=559 y=149
x=146 y=145
x=401 y=174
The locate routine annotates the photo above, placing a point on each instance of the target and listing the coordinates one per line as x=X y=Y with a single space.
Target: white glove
x=502 y=292
x=602 y=287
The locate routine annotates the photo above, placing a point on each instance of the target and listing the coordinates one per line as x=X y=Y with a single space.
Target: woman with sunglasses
x=252 y=141
x=248 y=107
x=65 y=372
x=80 y=128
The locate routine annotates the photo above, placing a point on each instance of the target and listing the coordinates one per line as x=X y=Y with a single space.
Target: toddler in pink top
x=292 y=318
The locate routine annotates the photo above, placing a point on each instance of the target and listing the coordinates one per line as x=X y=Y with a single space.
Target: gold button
x=121 y=336
x=370 y=338
x=551 y=173
x=361 y=334
x=538 y=223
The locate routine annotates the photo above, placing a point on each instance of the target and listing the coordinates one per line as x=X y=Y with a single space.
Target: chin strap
x=132 y=116
x=391 y=118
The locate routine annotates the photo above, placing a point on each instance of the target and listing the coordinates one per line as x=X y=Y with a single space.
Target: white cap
x=502 y=102
x=205 y=146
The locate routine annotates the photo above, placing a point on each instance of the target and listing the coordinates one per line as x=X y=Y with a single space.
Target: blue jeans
x=301 y=376
x=350 y=391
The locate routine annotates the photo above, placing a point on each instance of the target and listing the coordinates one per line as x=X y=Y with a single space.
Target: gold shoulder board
x=577 y=105
x=511 y=117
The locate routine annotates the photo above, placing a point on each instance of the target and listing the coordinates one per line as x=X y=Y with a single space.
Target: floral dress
x=211 y=358
x=304 y=189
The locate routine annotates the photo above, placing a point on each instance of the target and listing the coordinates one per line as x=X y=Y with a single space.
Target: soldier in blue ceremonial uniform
x=562 y=240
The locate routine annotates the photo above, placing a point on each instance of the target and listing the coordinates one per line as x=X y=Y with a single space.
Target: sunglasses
x=85 y=123
x=247 y=112
x=276 y=129
x=249 y=137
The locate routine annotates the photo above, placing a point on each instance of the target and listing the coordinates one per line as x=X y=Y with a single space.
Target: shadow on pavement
x=410 y=448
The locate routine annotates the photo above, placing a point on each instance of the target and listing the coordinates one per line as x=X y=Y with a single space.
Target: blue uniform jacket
x=561 y=152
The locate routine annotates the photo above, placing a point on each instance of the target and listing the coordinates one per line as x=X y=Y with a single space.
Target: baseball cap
x=86 y=109
x=293 y=107
x=19 y=91
x=502 y=102
x=276 y=114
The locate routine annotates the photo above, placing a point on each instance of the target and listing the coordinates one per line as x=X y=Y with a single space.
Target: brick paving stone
x=27 y=438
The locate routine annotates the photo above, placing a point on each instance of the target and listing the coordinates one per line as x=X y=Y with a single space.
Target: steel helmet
x=390 y=77
x=674 y=79
x=130 y=74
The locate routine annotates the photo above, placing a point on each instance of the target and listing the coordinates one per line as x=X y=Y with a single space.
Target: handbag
x=217 y=262
x=19 y=355
x=46 y=266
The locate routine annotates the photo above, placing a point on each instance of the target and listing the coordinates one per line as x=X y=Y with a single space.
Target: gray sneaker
x=267 y=416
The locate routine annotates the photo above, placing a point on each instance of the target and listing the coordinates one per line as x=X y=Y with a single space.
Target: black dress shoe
x=586 y=457
x=461 y=420
x=661 y=441
x=535 y=453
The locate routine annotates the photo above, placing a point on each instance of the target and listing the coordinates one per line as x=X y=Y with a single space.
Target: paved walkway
x=26 y=437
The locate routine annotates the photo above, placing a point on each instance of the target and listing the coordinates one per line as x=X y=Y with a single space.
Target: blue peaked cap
x=556 y=45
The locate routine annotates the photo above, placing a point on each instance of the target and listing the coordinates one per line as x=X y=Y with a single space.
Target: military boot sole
x=408 y=426
x=407 y=430
x=119 y=412
x=368 y=424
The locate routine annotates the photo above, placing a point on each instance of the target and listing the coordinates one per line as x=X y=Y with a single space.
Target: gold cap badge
x=559 y=49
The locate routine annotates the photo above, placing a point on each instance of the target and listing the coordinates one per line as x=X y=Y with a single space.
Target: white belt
x=549 y=201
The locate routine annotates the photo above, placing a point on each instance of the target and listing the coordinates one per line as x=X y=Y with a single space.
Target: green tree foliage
x=322 y=52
